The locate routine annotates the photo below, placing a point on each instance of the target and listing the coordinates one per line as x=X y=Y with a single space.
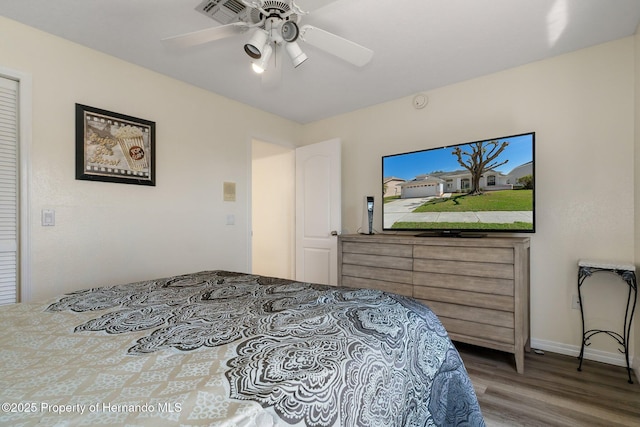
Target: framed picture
x=112 y=147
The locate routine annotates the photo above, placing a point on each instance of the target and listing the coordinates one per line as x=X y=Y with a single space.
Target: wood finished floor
x=551 y=392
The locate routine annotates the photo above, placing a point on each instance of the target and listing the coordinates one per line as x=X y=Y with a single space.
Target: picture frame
x=113 y=147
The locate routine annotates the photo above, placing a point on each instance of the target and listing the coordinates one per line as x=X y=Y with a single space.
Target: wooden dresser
x=478 y=287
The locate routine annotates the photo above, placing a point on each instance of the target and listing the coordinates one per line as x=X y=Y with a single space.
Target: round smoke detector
x=420 y=101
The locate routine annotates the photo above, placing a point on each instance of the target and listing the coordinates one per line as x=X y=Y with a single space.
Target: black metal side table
x=628 y=274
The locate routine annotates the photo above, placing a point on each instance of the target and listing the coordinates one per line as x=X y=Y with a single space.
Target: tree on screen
x=480 y=159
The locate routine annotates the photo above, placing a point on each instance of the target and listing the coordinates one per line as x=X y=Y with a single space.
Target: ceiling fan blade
x=336 y=45
x=309 y=5
x=205 y=36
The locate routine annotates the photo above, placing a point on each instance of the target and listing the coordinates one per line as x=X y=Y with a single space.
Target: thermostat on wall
x=229 y=191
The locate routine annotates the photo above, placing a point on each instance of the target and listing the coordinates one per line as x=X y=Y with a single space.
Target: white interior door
x=318 y=211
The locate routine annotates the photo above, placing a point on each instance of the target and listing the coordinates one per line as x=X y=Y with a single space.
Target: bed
x=220 y=348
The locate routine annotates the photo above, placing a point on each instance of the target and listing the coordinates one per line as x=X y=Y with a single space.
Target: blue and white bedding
x=228 y=349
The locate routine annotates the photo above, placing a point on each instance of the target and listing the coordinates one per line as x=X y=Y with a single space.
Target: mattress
x=220 y=348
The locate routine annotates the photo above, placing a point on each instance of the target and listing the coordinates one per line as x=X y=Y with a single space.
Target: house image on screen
x=459 y=181
x=423 y=186
x=518 y=172
x=391 y=186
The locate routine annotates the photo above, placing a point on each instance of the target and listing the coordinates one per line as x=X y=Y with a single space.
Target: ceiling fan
x=272 y=24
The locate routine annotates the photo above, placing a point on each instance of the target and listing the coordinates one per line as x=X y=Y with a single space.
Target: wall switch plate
x=48 y=217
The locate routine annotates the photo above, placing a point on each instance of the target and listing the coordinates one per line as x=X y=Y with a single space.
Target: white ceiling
x=419 y=45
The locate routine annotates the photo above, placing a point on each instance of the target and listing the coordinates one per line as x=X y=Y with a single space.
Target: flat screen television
x=477 y=187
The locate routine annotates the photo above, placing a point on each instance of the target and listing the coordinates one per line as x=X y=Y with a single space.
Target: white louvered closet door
x=8 y=191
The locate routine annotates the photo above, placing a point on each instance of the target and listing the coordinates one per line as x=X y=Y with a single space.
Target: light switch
x=48 y=217
x=231 y=219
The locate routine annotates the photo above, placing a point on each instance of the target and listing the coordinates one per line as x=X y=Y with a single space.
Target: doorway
x=295 y=208
x=272 y=209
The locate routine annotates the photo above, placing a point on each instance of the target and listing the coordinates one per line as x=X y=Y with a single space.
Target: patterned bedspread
x=229 y=349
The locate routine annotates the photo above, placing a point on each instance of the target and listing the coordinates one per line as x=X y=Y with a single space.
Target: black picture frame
x=113 y=147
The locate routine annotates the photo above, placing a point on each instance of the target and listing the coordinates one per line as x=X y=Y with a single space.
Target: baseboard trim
x=636 y=367
x=616 y=359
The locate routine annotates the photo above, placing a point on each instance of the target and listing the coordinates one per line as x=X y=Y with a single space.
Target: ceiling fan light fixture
x=295 y=53
x=256 y=68
x=261 y=63
x=289 y=31
x=256 y=44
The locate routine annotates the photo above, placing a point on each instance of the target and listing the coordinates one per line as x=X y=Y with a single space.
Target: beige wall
x=581 y=107
x=108 y=233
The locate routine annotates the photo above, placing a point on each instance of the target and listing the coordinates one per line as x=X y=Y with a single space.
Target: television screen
x=482 y=186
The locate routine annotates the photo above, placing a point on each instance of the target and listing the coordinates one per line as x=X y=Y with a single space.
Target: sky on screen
x=409 y=165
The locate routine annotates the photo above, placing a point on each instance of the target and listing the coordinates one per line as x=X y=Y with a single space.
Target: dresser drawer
x=466 y=268
x=462 y=328
x=393 y=287
x=377 y=261
x=377 y=273
x=385 y=249
x=457 y=253
x=471 y=299
x=487 y=285
x=486 y=316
